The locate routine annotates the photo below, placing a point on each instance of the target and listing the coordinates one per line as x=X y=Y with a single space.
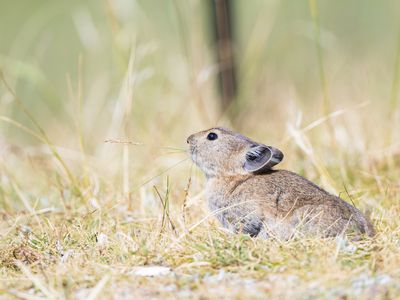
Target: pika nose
x=189 y=139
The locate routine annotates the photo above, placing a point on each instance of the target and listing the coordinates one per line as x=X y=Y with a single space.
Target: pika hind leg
x=249 y=224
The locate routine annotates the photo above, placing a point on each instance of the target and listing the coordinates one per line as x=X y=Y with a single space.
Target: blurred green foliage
x=42 y=42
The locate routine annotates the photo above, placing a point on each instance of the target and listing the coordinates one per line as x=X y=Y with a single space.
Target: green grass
x=94 y=179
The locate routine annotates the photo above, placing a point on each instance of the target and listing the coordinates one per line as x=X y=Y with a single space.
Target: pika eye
x=212 y=136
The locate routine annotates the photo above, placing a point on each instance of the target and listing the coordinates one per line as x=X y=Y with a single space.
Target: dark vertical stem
x=223 y=39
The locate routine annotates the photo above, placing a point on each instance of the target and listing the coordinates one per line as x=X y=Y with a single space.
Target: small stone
x=102 y=239
x=151 y=271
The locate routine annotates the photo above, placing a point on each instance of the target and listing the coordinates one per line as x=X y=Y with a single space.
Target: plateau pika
x=248 y=196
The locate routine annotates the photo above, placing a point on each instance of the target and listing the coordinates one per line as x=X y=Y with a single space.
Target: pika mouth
x=192 y=151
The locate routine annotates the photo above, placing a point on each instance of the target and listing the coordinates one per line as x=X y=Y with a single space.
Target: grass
x=63 y=257
x=61 y=241
x=95 y=182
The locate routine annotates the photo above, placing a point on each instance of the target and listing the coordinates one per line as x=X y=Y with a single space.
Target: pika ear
x=261 y=158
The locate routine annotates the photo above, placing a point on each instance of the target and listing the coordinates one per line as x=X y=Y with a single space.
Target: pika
x=250 y=197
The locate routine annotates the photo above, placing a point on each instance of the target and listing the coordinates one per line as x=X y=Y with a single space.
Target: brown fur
x=271 y=203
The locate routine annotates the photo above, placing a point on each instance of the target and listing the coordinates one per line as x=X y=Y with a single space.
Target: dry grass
x=85 y=238
x=95 y=182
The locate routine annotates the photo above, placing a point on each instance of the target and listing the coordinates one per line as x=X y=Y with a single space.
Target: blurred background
x=318 y=79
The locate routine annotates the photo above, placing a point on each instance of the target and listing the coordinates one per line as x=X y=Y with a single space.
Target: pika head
x=221 y=152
